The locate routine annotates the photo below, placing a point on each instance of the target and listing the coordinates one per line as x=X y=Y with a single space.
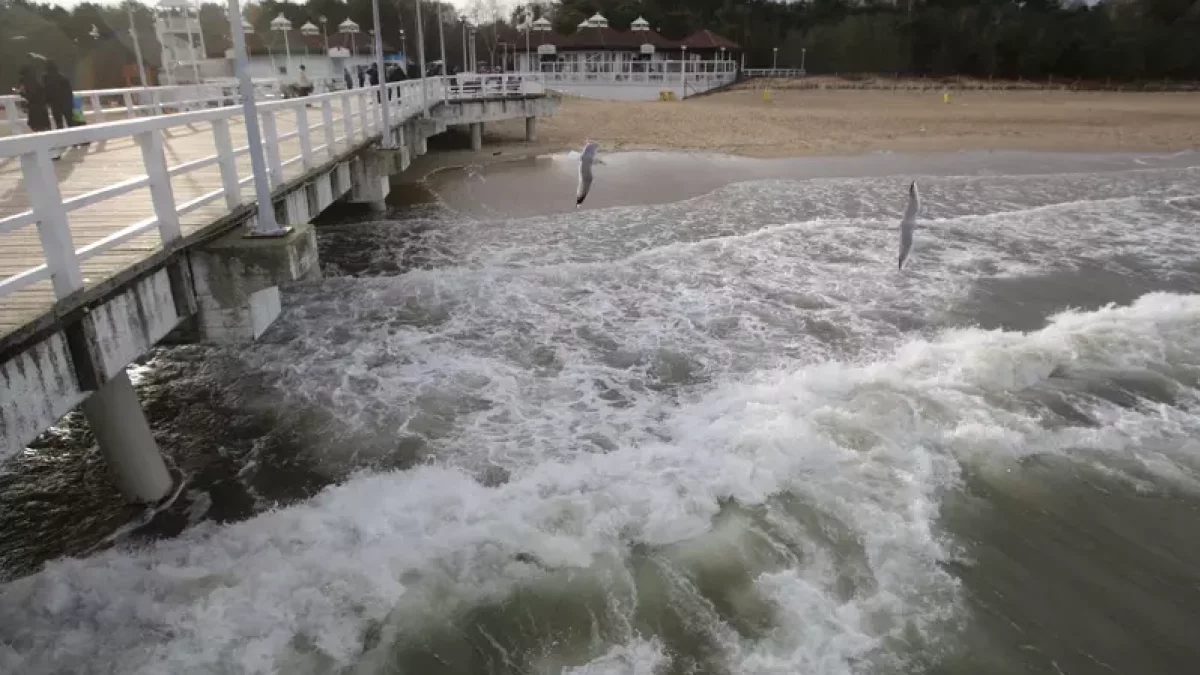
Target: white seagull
x=909 y=223
x=585 y=171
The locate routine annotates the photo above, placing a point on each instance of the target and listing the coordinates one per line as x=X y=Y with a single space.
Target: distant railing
x=775 y=72
x=481 y=85
x=711 y=73
x=324 y=125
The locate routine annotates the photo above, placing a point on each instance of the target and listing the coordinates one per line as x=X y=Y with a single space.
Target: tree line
x=1108 y=39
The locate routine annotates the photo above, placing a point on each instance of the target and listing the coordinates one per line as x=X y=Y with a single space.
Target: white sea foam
x=867 y=447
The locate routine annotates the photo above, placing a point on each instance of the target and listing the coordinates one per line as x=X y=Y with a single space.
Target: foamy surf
x=788 y=522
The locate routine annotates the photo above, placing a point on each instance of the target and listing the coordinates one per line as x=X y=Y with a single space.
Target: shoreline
x=838 y=123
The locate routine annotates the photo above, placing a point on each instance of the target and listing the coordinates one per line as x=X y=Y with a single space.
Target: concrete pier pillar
x=237 y=281
x=124 y=437
x=530 y=129
x=370 y=180
x=477 y=136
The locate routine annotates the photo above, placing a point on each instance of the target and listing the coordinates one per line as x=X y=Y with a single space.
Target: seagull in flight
x=586 y=159
x=909 y=223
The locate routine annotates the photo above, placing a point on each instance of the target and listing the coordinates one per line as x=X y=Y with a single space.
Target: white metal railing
x=775 y=72
x=652 y=72
x=324 y=126
x=101 y=105
x=481 y=85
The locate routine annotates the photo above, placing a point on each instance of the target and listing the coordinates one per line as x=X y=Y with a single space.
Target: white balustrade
x=346 y=119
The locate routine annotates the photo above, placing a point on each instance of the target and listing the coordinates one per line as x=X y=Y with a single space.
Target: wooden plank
x=103 y=164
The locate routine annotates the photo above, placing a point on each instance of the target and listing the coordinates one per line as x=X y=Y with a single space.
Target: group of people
x=48 y=98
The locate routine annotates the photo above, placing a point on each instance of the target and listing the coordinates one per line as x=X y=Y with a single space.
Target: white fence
x=102 y=105
x=318 y=128
x=704 y=73
x=775 y=72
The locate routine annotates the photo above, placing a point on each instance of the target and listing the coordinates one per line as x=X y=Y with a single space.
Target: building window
x=283 y=70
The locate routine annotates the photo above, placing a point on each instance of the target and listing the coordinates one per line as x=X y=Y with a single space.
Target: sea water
x=703 y=427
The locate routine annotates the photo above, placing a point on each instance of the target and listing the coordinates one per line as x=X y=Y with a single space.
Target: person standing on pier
x=30 y=88
x=59 y=96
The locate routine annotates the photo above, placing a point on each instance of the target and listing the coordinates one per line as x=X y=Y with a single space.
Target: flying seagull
x=585 y=171
x=909 y=223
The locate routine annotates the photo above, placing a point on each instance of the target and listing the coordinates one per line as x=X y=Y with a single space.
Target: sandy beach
x=799 y=122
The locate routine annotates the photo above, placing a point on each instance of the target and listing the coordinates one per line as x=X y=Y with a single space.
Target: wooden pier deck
x=103 y=164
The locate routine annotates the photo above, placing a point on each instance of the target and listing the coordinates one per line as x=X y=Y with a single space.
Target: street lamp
x=265 y=223
x=308 y=30
x=466 y=56
x=280 y=24
x=683 y=68
x=775 y=58
x=474 y=56
x=803 y=52
x=350 y=28
x=325 y=32
x=404 y=49
x=137 y=46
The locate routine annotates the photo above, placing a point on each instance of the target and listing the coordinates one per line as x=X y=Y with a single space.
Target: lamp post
x=803 y=53
x=350 y=28
x=474 y=56
x=188 y=11
x=137 y=46
x=683 y=68
x=280 y=24
x=404 y=49
x=265 y=224
x=466 y=56
x=308 y=30
x=325 y=32
x=775 y=58
x=421 y=60
x=385 y=115
x=442 y=41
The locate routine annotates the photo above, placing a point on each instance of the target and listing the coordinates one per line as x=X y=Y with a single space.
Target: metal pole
x=191 y=47
x=137 y=47
x=464 y=23
x=421 y=58
x=803 y=53
x=442 y=39
x=528 y=30
x=266 y=224
x=383 y=98
x=287 y=49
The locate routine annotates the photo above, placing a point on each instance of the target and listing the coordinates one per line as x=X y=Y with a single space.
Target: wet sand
x=798 y=123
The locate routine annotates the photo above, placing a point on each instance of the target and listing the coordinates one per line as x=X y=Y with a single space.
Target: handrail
x=324 y=125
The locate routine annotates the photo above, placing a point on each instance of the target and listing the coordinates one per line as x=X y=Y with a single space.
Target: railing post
x=161 y=194
x=12 y=115
x=271 y=141
x=306 y=158
x=97 y=110
x=364 y=113
x=129 y=111
x=347 y=118
x=54 y=230
x=327 y=124
x=228 y=163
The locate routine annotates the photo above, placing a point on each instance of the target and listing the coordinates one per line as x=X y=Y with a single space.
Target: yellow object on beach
x=767 y=95
x=666 y=95
x=946 y=97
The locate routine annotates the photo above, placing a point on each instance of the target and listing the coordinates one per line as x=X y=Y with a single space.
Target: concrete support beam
x=124 y=437
x=530 y=129
x=237 y=281
x=370 y=183
x=477 y=135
